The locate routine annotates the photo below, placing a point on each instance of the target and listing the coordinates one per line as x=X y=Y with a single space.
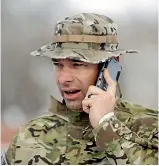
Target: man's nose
x=65 y=76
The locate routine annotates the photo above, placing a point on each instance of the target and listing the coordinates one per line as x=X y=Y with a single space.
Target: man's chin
x=74 y=106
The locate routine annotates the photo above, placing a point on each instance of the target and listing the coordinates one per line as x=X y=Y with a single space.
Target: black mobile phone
x=114 y=69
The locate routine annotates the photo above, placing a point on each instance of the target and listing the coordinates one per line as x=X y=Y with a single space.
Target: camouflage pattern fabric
x=133 y=135
x=66 y=137
x=59 y=137
x=83 y=24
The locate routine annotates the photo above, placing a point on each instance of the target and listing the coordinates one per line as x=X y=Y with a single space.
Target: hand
x=101 y=102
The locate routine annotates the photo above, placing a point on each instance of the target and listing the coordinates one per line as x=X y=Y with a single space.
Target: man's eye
x=57 y=64
x=79 y=64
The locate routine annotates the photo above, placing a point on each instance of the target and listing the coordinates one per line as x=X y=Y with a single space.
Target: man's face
x=73 y=79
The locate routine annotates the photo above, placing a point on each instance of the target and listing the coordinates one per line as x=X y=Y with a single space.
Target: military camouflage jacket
x=66 y=137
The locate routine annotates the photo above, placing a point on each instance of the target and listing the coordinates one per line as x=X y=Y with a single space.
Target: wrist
x=106 y=116
x=103 y=122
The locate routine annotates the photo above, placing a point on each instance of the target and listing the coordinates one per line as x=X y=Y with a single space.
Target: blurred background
x=27 y=82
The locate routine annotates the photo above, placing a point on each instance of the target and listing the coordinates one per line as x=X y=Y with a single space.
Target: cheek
x=90 y=78
x=93 y=75
x=56 y=77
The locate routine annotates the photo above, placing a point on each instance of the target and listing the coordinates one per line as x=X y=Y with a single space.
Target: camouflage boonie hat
x=86 y=37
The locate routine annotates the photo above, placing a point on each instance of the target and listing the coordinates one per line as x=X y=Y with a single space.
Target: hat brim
x=85 y=55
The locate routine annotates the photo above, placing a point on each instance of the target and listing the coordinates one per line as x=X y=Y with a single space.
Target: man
x=91 y=126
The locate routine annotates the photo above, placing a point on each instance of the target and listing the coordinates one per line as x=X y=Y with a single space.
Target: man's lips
x=71 y=94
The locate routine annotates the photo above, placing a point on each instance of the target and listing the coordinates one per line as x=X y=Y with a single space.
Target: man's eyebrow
x=55 y=60
x=74 y=60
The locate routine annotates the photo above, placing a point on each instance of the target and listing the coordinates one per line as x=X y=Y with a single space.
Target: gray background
x=28 y=81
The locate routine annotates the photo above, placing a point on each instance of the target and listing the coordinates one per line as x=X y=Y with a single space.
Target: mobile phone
x=114 y=69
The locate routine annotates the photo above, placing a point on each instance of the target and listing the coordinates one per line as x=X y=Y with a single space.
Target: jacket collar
x=61 y=110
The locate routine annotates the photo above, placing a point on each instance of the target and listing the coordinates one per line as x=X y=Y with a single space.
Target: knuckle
x=84 y=108
x=83 y=101
x=90 y=87
x=110 y=96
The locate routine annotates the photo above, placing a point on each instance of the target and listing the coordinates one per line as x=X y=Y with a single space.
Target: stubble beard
x=74 y=105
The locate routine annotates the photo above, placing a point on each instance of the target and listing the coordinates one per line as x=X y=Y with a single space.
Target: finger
x=108 y=78
x=94 y=91
x=86 y=105
x=111 y=90
x=86 y=109
x=111 y=84
x=91 y=96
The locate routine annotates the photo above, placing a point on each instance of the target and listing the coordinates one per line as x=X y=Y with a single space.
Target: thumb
x=108 y=78
x=111 y=84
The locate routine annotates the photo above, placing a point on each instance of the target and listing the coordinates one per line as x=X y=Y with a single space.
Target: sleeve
x=11 y=151
x=124 y=146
